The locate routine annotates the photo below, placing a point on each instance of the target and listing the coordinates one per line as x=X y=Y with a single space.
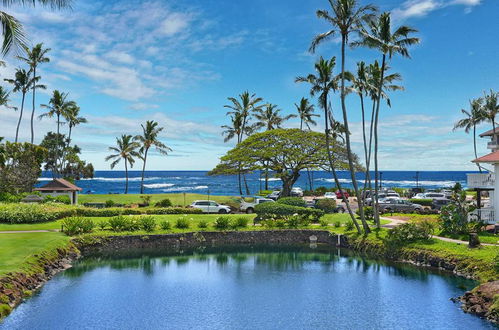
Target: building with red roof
x=60 y=187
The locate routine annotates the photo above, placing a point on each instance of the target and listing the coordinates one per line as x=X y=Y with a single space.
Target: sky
x=176 y=62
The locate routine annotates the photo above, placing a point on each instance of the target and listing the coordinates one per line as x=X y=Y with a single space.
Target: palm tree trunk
x=33 y=111
x=331 y=164
x=474 y=147
x=364 y=138
x=246 y=185
x=347 y=138
x=376 y=172
x=20 y=117
x=267 y=177
x=301 y=124
x=143 y=171
x=126 y=177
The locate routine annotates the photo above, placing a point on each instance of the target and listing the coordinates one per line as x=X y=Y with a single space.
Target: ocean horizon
x=158 y=182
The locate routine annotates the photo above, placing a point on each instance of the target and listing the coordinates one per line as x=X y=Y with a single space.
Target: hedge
x=277 y=210
x=293 y=201
x=32 y=213
x=423 y=202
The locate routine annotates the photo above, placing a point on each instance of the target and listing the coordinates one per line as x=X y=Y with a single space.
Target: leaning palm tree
x=22 y=83
x=33 y=58
x=12 y=30
x=491 y=108
x=148 y=139
x=244 y=107
x=322 y=84
x=125 y=149
x=388 y=41
x=306 y=113
x=4 y=97
x=269 y=117
x=346 y=18
x=473 y=117
x=72 y=117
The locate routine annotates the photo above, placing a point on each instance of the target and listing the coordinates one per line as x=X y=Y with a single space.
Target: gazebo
x=60 y=187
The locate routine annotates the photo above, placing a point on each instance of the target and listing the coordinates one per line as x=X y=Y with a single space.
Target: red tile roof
x=490 y=132
x=59 y=184
x=493 y=157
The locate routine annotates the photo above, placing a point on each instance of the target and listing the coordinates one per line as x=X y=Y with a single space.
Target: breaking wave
x=158 y=185
x=173 y=189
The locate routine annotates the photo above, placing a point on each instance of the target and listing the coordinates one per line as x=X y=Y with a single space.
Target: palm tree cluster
x=249 y=114
x=482 y=109
x=128 y=148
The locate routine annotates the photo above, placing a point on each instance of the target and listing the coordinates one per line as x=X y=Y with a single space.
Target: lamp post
x=380 y=180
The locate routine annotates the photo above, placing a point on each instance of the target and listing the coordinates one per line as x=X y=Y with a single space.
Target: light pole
x=380 y=180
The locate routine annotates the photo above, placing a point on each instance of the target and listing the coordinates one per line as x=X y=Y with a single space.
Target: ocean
x=157 y=182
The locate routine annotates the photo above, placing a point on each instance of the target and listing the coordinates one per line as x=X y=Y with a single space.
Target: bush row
x=277 y=210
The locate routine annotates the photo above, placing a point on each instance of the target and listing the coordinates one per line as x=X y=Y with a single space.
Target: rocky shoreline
x=14 y=287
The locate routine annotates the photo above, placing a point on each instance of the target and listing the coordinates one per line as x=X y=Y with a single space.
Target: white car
x=393 y=195
x=210 y=207
x=296 y=192
x=249 y=207
x=330 y=195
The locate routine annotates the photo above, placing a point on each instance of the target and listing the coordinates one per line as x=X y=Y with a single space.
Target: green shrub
x=147 y=223
x=132 y=224
x=64 y=199
x=222 y=223
x=337 y=224
x=77 y=225
x=118 y=223
x=327 y=205
x=293 y=201
x=409 y=232
x=240 y=222
x=324 y=223
x=102 y=225
x=266 y=211
x=163 y=203
x=422 y=202
x=349 y=225
x=368 y=212
x=202 y=224
x=165 y=225
x=173 y=210
x=32 y=213
x=6 y=197
x=110 y=203
x=279 y=223
x=146 y=199
x=4 y=310
x=182 y=223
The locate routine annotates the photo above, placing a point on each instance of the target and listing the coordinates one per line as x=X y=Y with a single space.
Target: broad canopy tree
x=286 y=152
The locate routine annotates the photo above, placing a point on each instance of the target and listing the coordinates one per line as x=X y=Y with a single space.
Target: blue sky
x=176 y=62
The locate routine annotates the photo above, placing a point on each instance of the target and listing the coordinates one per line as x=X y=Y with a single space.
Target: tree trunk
x=331 y=164
x=143 y=171
x=288 y=182
x=33 y=111
x=474 y=147
x=20 y=117
x=126 y=177
x=267 y=177
x=347 y=138
x=376 y=172
x=246 y=185
x=301 y=124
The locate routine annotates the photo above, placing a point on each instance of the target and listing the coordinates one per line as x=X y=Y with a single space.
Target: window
x=203 y=203
x=213 y=204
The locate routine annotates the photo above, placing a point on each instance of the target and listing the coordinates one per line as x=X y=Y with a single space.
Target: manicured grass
x=17 y=249
x=176 y=199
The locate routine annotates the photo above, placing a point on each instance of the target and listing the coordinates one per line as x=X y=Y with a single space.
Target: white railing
x=486 y=215
x=492 y=145
x=481 y=180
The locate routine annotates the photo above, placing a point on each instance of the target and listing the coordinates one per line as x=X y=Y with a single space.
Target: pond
x=258 y=288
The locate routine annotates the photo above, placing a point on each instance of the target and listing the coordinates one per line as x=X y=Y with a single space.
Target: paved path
x=396 y=222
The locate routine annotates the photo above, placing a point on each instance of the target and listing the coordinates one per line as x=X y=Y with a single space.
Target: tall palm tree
x=346 y=18
x=125 y=149
x=306 y=113
x=148 y=139
x=322 y=84
x=388 y=41
x=22 y=83
x=269 y=117
x=243 y=108
x=473 y=117
x=33 y=57
x=12 y=30
x=72 y=117
x=491 y=108
x=4 y=97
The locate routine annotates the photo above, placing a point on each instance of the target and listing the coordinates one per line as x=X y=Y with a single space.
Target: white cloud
x=174 y=24
x=121 y=57
x=143 y=106
x=420 y=8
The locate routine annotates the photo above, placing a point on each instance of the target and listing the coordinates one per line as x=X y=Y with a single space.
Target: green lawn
x=176 y=199
x=17 y=249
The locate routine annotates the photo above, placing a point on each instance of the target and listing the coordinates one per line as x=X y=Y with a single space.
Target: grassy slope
x=176 y=199
x=16 y=250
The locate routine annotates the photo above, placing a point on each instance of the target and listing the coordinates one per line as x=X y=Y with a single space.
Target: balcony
x=481 y=180
x=492 y=145
x=486 y=215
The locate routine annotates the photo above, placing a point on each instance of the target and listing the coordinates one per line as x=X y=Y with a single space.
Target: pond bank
x=15 y=287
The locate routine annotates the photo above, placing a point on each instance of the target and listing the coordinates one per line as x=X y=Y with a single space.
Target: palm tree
x=148 y=139
x=33 y=57
x=12 y=29
x=381 y=37
x=473 y=117
x=323 y=83
x=347 y=17
x=306 y=113
x=491 y=108
x=269 y=118
x=4 y=97
x=243 y=109
x=22 y=83
x=125 y=149
x=72 y=117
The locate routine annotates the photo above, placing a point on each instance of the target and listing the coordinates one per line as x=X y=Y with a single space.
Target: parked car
x=392 y=195
x=381 y=198
x=330 y=195
x=339 y=194
x=210 y=207
x=447 y=193
x=397 y=205
x=249 y=207
x=419 y=196
x=433 y=195
x=296 y=192
x=439 y=202
x=274 y=195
